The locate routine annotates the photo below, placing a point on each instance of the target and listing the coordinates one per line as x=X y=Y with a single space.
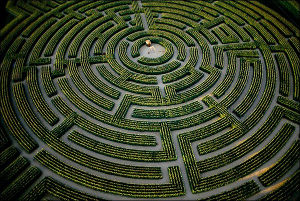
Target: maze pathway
x=86 y=116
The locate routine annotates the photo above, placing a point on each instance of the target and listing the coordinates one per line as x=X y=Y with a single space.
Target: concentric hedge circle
x=85 y=116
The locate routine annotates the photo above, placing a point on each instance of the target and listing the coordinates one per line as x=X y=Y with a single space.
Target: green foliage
x=78 y=97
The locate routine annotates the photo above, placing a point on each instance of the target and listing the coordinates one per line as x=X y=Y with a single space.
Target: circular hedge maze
x=86 y=115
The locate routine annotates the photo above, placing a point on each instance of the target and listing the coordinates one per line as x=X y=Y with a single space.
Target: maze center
x=208 y=111
x=154 y=51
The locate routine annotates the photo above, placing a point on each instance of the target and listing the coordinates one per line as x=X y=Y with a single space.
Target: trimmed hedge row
x=174 y=188
x=282 y=166
x=167 y=113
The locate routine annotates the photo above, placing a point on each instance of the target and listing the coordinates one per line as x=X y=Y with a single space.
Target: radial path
x=89 y=112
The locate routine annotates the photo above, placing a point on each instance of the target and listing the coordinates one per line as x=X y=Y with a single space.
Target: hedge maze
x=85 y=115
